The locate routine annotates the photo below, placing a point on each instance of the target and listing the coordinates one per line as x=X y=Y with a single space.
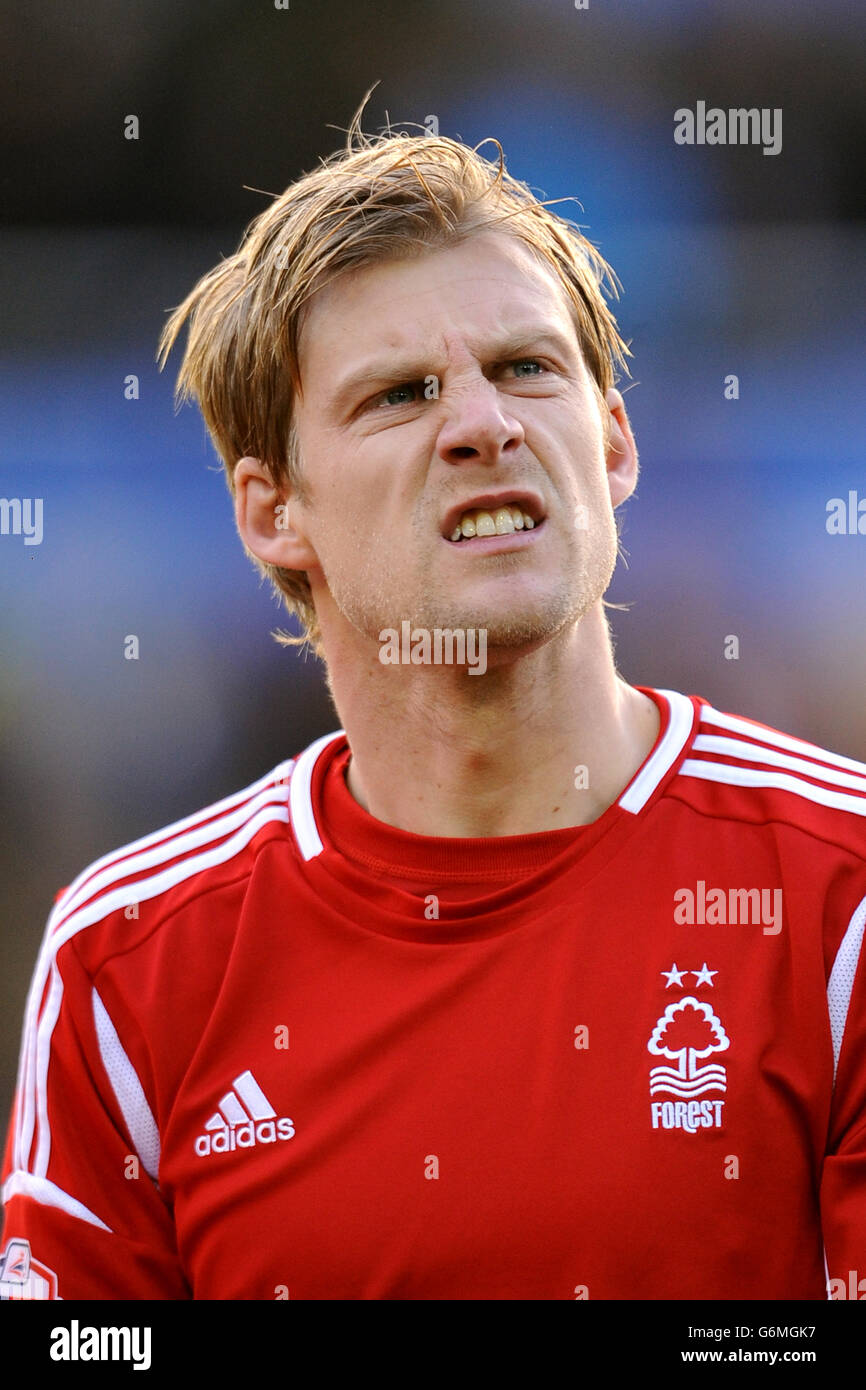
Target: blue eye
x=529 y=362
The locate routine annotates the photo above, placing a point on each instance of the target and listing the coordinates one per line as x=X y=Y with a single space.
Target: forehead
x=486 y=284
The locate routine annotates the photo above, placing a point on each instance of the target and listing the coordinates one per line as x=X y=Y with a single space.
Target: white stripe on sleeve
x=128 y=1090
x=49 y=1195
x=841 y=980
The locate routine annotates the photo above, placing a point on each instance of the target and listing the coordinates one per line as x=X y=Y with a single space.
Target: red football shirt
x=280 y=1049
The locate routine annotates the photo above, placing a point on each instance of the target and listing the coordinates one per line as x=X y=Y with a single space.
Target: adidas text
x=244 y=1136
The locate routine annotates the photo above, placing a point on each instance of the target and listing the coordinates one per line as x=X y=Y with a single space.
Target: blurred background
x=732 y=262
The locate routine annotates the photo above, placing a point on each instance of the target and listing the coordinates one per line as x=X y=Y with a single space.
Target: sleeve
x=843 y=1183
x=84 y=1217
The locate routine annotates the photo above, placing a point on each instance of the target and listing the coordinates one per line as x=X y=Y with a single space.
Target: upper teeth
x=478 y=522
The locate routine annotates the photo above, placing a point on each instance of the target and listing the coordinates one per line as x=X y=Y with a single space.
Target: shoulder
x=124 y=897
x=739 y=768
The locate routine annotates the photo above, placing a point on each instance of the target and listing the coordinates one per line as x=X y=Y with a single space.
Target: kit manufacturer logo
x=243 y=1119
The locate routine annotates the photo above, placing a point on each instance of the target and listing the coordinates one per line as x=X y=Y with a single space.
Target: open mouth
x=481 y=522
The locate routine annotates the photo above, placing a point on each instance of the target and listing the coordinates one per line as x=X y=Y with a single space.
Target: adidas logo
x=244 y=1118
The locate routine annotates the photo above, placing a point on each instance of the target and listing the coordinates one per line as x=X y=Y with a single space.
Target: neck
x=539 y=742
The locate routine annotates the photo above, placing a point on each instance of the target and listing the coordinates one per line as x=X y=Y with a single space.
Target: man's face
x=436 y=390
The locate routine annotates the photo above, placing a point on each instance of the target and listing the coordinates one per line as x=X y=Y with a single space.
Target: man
x=530 y=985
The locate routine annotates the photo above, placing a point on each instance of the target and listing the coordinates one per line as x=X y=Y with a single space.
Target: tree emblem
x=688 y=1029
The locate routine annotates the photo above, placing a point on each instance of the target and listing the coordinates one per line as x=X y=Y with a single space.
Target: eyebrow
x=380 y=371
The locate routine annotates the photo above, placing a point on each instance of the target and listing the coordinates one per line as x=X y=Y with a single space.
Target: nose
x=477 y=426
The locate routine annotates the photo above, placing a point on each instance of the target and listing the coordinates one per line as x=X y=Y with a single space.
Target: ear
x=270 y=524
x=621 y=460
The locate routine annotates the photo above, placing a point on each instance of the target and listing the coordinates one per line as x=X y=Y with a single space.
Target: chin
x=526 y=631
x=515 y=626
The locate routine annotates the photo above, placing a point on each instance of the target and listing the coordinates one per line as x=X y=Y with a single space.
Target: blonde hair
x=380 y=198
